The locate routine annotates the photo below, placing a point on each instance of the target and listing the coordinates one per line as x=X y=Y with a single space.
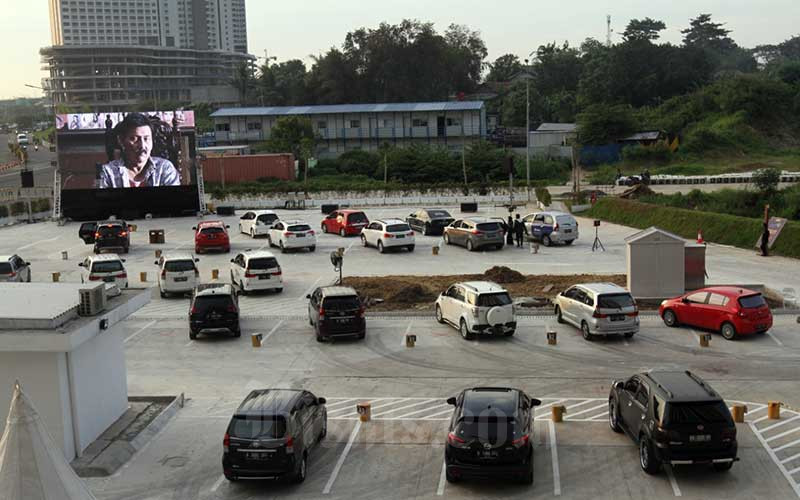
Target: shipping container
x=249 y=168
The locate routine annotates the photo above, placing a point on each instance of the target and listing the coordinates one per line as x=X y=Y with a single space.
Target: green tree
x=291 y=134
x=766 y=180
x=282 y=84
x=244 y=81
x=704 y=33
x=504 y=68
x=602 y=123
x=643 y=29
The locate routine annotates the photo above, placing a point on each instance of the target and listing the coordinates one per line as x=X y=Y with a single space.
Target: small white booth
x=656 y=263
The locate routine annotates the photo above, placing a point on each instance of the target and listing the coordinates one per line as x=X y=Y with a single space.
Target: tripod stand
x=597 y=243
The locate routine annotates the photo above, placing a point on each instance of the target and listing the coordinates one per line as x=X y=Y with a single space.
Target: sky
x=297 y=29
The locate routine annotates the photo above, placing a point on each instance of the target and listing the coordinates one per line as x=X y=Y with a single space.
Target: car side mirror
x=197 y=260
x=227 y=226
x=535 y=402
x=451 y=401
x=194 y=228
x=308 y=296
x=81 y=264
x=619 y=385
x=321 y=401
x=684 y=300
x=155 y=262
x=232 y=262
x=123 y=260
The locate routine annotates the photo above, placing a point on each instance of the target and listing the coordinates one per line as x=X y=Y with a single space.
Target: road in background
x=38 y=161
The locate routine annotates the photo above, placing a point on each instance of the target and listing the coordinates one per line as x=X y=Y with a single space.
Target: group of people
x=515 y=230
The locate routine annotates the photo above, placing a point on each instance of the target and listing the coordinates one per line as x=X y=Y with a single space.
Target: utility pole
x=464 y=162
x=528 y=136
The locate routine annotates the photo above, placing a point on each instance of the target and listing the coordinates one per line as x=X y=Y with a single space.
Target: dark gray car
x=475 y=233
x=429 y=220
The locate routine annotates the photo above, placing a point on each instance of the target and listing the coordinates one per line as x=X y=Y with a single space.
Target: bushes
x=40 y=205
x=543 y=195
x=3 y=211
x=657 y=153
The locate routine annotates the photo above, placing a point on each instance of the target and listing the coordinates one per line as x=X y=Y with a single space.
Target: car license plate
x=617 y=317
x=257 y=456
x=488 y=454
x=300 y=235
x=263 y=276
x=108 y=279
x=700 y=438
x=184 y=278
x=399 y=236
x=342 y=321
x=212 y=236
x=567 y=231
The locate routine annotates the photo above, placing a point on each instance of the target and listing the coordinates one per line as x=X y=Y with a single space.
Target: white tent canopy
x=32 y=466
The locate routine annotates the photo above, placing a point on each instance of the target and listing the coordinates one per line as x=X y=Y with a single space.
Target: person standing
x=765 y=240
x=510 y=231
x=519 y=230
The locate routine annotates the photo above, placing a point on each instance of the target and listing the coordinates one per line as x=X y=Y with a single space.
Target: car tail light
x=454 y=440
x=277 y=273
x=388 y=235
x=410 y=234
x=361 y=311
x=226 y=442
x=290 y=444
x=728 y=435
x=475 y=231
x=231 y=308
x=474 y=312
x=598 y=314
x=97 y=235
x=193 y=310
x=123 y=275
x=555 y=227
x=522 y=441
x=634 y=313
x=321 y=313
x=248 y=274
x=287 y=234
x=94 y=277
x=123 y=233
x=311 y=233
x=12 y=274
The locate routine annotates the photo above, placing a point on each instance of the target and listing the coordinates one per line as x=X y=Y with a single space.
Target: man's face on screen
x=136 y=146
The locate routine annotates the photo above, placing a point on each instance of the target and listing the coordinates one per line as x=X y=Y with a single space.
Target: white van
x=177 y=273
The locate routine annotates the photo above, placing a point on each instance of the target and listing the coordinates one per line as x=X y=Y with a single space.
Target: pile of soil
x=411 y=294
x=502 y=274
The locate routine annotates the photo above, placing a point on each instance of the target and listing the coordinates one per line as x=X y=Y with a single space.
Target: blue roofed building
x=346 y=127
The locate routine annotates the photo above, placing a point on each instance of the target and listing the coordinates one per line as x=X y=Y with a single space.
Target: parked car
x=106 y=235
x=430 y=221
x=257 y=222
x=477 y=307
x=475 y=233
x=490 y=435
x=211 y=235
x=108 y=267
x=255 y=270
x=290 y=235
x=215 y=306
x=271 y=434
x=732 y=311
x=335 y=312
x=177 y=273
x=551 y=227
x=345 y=222
x=14 y=268
x=388 y=233
x=676 y=418
x=598 y=309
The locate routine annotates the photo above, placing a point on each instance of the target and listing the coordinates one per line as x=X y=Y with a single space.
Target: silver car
x=475 y=233
x=598 y=309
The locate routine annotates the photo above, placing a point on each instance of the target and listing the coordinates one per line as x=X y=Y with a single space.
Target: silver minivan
x=598 y=309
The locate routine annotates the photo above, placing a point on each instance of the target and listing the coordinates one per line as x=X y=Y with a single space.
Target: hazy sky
x=298 y=28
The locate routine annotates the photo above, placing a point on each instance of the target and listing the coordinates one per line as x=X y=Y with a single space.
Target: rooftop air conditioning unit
x=93 y=300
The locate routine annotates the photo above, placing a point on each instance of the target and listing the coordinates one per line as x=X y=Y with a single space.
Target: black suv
x=430 y=220
x=106 y=235
x=336 y=311
x=490 y=435
x=676 y=418
x=214 y=307
x=270 y=434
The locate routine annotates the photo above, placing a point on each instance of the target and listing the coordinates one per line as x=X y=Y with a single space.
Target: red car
x=211 y=235
x=345 y=222
x=732 y=311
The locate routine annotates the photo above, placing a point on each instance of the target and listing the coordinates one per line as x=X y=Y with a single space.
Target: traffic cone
x=700 y=237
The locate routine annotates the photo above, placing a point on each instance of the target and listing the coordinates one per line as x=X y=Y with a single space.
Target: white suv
x=257 y=222
x=177 y=273
x=13 y=268
x=106 y=267
x=477 y=307
x=256 y=270
x=598 y=309
x=388 y=233
x=292 y=234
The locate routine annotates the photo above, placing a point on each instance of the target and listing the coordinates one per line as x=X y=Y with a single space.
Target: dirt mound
x=411 y=294
x=636 y=191
x=502 y=274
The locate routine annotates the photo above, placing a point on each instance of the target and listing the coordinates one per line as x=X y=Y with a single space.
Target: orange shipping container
x=248 y=168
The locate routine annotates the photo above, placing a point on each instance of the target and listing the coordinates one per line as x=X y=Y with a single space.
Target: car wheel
x=464 y=330
x=230 y=478
x=446 y=239
x=613 y=416
x=363 y=241
x=527 y=478
x=380 y=247
x=342 y=233
x=320 y=338
x=324 y=227
x=192 y=335
x=410 y=249
x=283 y=250
x=470 y=246
x=439 y=317
x=728 y=331
x=559 y=316
x=300 y=475
x=722 y=467
x=647 y=459
x=324 y=431
x=669 y=318
x=450 y=478
x=568 y=242
x=279 y=290
x=163 y=294
x=237 y=333
x=546 y=241
x=312 y=248
x=510 y=333
x=587 y=335
x=426 y=230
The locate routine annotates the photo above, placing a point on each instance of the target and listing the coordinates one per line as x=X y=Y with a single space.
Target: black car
x=336 y=311
x=106 y=235
x=676 y=418
x=271 y=433
x=214 y=307
x=429 y=220
x=490 y=435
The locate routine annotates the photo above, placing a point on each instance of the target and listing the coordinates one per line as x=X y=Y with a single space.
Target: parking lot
x=399 y=453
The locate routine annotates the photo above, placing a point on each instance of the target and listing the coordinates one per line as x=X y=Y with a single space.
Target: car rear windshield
x=752 y=301
x=356 y=218
x=106 y=231
x=5 y=268
x=341 y=303
x=565 y=219
x=488 y=226
x=699 y=413
x=397 y=228
x=491 y=429
x=267 y=218
x=494 y=299
x=299 y=228
x=205 y=302
x=262 y=263
x=257 y=426
x=615 y=301
x=212 y=230
x=108 y=266
x=179 y=266
x=438 y=214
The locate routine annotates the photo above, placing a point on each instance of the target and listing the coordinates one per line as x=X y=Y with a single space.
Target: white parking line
x=140 y=330
x=788 y=445
x=310 y=289
x=401 y=417
x=342 y=458
x=675 y=489
x=767 y=429
x=570 y=417
x=554 y=456
x=440 y=489
x=272 y=331
x=795 y=486
x=432 y=417
x=773 y=337
x=338 y=403
x=782 y=434
x=787 y=460
x=392 y=410
x=217 y=484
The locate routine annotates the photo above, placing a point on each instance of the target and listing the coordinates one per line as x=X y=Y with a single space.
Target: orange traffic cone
x=700 y=237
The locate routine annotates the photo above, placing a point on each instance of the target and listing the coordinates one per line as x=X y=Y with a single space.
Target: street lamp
x=527 y=131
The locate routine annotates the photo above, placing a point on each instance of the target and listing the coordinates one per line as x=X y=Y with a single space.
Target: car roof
x=210 y=223
x=262 y=212
x=215 y=289
x=269 y=401
x=682 y=386
x=178 y=256
x=480 y=399
x=338 y=291
x=350 y=211
x=390 y=221
x=257 y=254
x=292 y=222
x=478 y=220
x=482 y=286
x=110 y=222
x=104 y=256
x=601 y=288
x=728 y=291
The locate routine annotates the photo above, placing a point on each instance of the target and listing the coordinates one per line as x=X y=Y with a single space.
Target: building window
x=322 y=125
x=387 y=123
x=419 y=122
x=254 y=126
x=355 y=123
x=453 y=122
x=223 y=127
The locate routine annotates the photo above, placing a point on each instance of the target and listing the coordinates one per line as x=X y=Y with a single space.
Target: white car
x=477 y=307
x=598 y=309
x=177 y=273
x=255 y=270
x=257 y=222
x=388 y=233
x=292 y=234
x=14 y=268
x=108 y=267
